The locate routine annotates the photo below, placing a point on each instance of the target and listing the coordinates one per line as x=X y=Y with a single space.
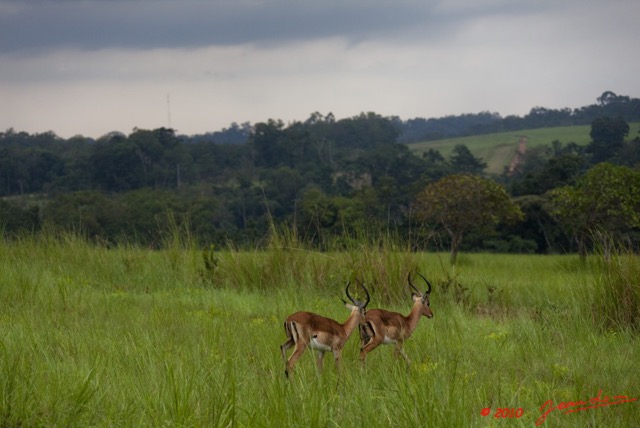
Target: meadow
x=498 y=149
x=119 y=337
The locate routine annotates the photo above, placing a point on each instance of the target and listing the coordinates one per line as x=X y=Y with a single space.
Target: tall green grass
x=96 y=336
x=617 y=291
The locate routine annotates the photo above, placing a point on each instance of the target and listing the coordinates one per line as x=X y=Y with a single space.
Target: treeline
x=608 y=104
x=329 y=182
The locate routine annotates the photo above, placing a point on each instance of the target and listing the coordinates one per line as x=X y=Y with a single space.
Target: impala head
x=422 y=298
x=360 y=305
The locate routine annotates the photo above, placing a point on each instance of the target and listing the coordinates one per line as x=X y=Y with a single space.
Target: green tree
x=609 y=97
x=116 y=165
x=463 y=203
x=282 y=187
x=607 y=138
x=364 y=131
x=538 y=224
x=16 y=220
x=558 y=171
x=266 y=143
x=436 y=165
x=463 y=161
x=87 y=212
x=148 y=150
x=395 y=174
x=603 y=205
x=318 y=215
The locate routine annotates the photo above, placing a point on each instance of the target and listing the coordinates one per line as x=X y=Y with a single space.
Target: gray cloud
x=143 y=24
x=90 y=67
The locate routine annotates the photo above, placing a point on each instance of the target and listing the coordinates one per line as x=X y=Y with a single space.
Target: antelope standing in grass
x=382 y=327
x=306 y=329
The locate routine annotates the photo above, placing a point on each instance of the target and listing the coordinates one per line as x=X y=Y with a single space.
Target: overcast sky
x=92 y=67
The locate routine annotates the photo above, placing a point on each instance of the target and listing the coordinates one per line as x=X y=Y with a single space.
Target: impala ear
x=348 y=305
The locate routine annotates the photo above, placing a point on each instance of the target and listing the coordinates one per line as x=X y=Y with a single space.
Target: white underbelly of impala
x=314 y=344
x=388 y=341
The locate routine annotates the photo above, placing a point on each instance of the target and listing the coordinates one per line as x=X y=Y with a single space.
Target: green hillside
x=498 y=149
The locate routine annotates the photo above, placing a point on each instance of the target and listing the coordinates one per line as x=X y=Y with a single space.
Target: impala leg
x=400 y=351
x=366 y=334
x=320 y=360
x=337 y=357
x=368 y=341
x=372 y=344
x=294 y=357
x=284 y=347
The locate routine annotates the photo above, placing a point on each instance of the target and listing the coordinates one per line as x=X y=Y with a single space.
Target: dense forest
x=331 y=182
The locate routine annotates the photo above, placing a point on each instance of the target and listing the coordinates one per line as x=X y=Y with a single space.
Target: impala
x=383 y=327
x=306 y=329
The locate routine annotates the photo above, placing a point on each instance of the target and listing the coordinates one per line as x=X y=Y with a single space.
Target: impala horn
x=366 y=292
x=355 y=301
x=415 y=290
x=346 y=291
x=428 y=283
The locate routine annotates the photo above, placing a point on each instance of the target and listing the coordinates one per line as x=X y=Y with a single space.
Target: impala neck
x=414 y=317
x=351 y=322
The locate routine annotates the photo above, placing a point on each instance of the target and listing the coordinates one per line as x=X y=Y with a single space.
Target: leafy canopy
x=606 y=198
x=461 y=203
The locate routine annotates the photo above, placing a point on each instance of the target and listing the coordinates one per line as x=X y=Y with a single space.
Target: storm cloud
x=90 y=67
x=151 y=24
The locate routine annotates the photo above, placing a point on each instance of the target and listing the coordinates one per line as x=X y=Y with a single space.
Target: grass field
x=498 y=149
x=124 y=337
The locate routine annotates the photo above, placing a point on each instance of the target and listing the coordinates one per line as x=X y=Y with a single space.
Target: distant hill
x=608 y=104
x=499 y=149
